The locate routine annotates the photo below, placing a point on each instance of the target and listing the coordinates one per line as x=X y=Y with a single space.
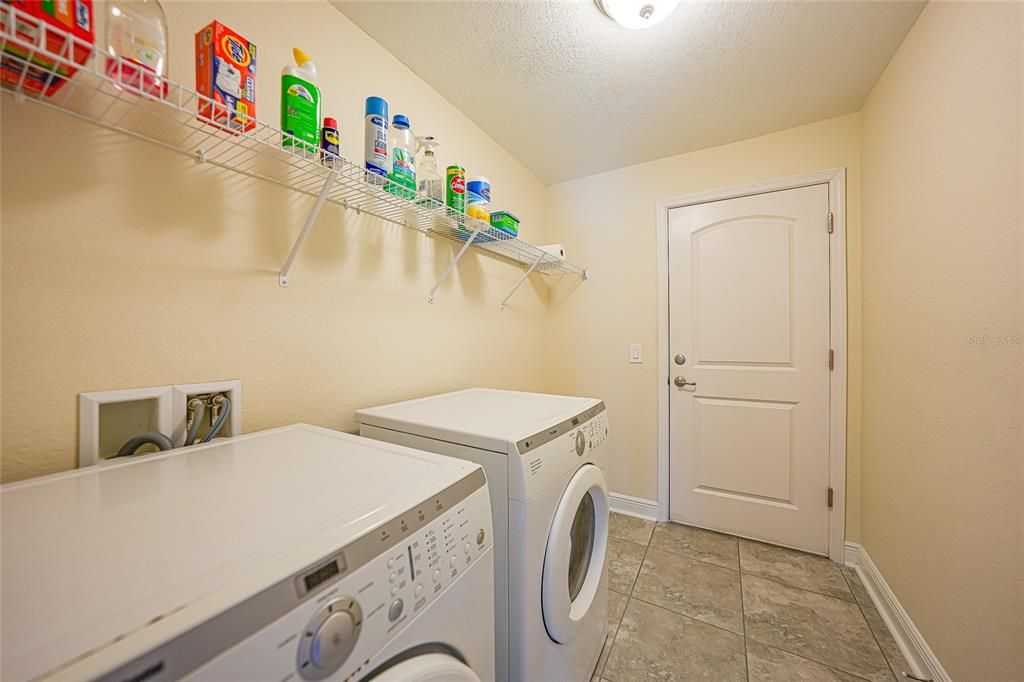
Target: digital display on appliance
x=325 y=572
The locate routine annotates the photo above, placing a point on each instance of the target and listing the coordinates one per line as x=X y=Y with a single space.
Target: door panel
x=727 y=431
x=749 y=308
x=725 y=303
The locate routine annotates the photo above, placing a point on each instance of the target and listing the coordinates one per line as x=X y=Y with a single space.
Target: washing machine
x=296 y=554
x=543 y=455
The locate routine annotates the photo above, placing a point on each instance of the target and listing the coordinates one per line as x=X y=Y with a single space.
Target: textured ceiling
x=570 y=93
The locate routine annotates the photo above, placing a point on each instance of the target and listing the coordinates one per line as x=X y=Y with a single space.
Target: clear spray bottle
x=430 y=186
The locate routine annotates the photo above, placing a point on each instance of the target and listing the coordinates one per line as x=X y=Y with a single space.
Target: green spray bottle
x=300 y=104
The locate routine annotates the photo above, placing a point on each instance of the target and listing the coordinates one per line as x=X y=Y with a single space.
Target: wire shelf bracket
x=307 y=227
x=432 y=296
x=521 y=280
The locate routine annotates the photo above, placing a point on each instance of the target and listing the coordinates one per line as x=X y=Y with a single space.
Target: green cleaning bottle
x=300 y=104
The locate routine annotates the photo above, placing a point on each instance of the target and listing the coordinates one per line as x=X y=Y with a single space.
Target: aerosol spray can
x=378 y=162
x=330 y=144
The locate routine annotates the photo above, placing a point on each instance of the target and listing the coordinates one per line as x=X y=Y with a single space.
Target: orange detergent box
x=61 y=27
x=226 y=73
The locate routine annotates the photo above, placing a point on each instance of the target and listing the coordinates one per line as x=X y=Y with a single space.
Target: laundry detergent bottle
x=300 y=105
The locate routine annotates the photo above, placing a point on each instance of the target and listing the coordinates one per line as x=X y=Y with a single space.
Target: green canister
x=455 y=189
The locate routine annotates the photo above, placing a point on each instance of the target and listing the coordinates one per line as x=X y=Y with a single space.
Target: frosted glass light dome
x=637 y=13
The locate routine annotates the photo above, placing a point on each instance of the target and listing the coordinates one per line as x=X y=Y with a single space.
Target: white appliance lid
x=94 y=554
x=485 y=418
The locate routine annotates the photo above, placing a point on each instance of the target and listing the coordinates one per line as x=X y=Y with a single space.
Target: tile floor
x=687 y=604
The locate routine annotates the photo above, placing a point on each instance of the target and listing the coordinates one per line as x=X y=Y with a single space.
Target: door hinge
x=831 y=359
x=831 y=496
x=831 y=222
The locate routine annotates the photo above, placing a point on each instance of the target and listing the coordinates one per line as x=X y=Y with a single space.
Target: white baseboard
x=910 y=640
x=633 y=506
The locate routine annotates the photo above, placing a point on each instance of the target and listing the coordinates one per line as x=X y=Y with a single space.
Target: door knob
x=681 y=382
x=680 y=359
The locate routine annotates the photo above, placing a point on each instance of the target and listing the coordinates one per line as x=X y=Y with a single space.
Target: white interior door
x=749 y=312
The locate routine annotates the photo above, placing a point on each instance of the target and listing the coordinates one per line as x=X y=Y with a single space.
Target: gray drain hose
x=150 y=437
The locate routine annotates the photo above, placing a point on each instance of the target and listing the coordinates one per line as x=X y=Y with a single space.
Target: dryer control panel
x=594 y=433
x=328 y=619
x=546 y=456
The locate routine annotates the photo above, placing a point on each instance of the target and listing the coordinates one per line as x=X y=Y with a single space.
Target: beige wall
x=127 y=265
x=609 y=223
x=943 y=450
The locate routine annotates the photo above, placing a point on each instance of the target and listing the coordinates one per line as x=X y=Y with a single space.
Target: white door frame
x=836 y=180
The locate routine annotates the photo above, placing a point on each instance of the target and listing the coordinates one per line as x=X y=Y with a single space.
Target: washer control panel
x=356 y=600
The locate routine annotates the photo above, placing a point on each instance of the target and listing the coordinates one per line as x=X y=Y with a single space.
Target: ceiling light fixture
x=637 y=13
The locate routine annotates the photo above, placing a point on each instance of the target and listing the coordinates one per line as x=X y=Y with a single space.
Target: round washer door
x=433 y=667
x=575 y=555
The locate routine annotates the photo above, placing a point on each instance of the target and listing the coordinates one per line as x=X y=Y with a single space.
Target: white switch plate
x=636 y=354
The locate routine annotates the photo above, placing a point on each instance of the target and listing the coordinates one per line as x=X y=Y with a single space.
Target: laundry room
x=516 y=340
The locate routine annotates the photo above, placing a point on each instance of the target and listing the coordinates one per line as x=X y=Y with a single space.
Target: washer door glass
x=574 y=558
x=581 y=539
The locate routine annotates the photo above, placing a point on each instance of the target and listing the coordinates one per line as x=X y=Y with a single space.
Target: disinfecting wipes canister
x=455 y=192
x=377 y=160
x=478 y=198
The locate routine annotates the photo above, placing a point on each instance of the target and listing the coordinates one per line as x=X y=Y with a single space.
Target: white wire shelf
x=128 y=105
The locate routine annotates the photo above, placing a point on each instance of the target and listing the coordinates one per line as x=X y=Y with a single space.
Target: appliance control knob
x=480 y=535
x=437 y=575
x=581 y=443
x=395 y=612
x=330 y=638
x=333 y=641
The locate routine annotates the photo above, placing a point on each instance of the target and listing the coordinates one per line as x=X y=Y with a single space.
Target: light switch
x=636 y=355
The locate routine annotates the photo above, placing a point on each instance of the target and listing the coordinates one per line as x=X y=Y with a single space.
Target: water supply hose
x=198 y=406
x=164 y=443
x=149 y=438
x=225 y=404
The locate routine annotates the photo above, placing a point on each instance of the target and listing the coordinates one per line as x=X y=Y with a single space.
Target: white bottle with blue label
x=378 y=161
